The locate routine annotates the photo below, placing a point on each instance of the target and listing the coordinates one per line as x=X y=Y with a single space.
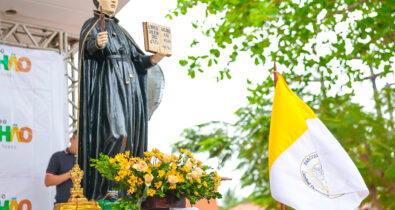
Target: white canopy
x=68 y=15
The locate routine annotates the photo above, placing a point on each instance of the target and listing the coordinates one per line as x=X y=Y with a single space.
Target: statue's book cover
x=157 y=38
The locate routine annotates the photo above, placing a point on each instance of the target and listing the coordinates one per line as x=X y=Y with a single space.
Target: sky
x=188 y=102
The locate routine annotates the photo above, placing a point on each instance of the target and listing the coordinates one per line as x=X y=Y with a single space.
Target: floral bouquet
x=159 y=174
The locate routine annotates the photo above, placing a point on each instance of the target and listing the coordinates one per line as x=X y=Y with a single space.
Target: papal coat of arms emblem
x=313 y=175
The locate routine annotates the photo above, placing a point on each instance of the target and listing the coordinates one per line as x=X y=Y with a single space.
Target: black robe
x=113 y=114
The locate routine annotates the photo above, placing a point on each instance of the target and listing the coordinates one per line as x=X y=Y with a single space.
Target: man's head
x=109 y=6
x=73 y=143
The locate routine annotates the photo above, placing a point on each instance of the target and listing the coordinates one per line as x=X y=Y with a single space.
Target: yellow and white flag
x=309 y=169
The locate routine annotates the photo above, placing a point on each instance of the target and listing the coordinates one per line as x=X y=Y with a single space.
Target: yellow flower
x=173 y=179
x=205 y=184
x=195 y=174
x=161 y=173
x=189 y=165
x=117 y=178
x=189 y=154
x=174 y=158
x=149 y=171
x=198 y=180
x=180 y=178
x=132 y=161
x=166 y=158
x=127 y=153
x=158 y=184
x=200 y=164
x=140 y=181
x=119 y=157
x=173 y=186
x=151 y=192
x=174 y=166
x=148 y=154
x=141 y=166
x=124 y=173
x=182 y=150
x=185 y=169
x=189 y=177
x=157 y=165
x=173 y=172
x=148 y=179
x=155 y=150
x=131 y=190
x=132 y=180
x=217 y=181
x=124 y=164
x=112 y=160
x=159 y=155
x=200 y=171
x=196 y=193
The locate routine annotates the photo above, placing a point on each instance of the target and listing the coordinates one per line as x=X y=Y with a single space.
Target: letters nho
x=22 y=64
x=24 y=135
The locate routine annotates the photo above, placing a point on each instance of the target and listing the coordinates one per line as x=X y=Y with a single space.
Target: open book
x=157 y=38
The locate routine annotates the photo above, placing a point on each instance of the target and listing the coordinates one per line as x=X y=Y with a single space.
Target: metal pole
x=275 y=72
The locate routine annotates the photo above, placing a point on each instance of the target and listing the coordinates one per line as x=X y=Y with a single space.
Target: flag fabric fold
x=309 y=169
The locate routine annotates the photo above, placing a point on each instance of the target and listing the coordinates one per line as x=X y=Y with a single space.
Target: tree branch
x=376 y=95
x=373 y=76
x=349 y=8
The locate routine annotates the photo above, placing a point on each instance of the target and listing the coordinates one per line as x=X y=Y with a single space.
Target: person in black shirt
x=58 y=171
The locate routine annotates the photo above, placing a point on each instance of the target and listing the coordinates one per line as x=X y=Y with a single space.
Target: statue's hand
x=156 y=58
x=102 y=39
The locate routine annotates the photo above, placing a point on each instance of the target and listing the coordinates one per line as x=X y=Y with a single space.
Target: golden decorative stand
x=77 y=200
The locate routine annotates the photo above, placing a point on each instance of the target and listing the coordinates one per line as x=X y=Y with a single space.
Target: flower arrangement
x=159 y=174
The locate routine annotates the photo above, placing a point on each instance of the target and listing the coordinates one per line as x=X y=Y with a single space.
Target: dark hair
x=75 y=134
x=96 y=3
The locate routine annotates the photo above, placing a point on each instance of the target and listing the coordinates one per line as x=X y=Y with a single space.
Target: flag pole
x=282 y=206
x=275 y=72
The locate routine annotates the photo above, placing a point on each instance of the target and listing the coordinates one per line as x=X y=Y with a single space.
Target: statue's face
x=109 y=6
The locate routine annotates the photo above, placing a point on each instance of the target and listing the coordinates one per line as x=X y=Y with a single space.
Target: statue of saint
x=113 y=110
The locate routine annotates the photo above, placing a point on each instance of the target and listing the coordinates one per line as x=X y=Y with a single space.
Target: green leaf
x=210 y=63
x=256 y=61
x=183 y=62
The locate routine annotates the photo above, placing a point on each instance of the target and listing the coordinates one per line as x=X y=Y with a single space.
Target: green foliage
x=230 y=200
x=332 y=45
x=349 y=30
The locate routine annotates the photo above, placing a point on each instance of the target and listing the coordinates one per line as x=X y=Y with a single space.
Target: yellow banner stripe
x=288 y=121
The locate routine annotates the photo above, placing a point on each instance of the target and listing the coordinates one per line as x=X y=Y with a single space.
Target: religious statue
x=113 y=110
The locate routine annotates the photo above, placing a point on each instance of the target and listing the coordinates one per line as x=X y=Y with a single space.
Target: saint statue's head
x=109 y=6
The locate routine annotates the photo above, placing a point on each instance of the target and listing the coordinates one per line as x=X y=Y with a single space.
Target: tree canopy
x=328 y=49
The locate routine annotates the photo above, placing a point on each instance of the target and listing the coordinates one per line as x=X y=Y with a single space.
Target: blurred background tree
x=230 y=200
x=328 y=48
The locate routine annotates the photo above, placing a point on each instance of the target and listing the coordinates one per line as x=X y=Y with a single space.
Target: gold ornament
x=77 y=199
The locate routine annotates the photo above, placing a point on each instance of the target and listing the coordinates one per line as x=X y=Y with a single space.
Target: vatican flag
x=309 y=169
